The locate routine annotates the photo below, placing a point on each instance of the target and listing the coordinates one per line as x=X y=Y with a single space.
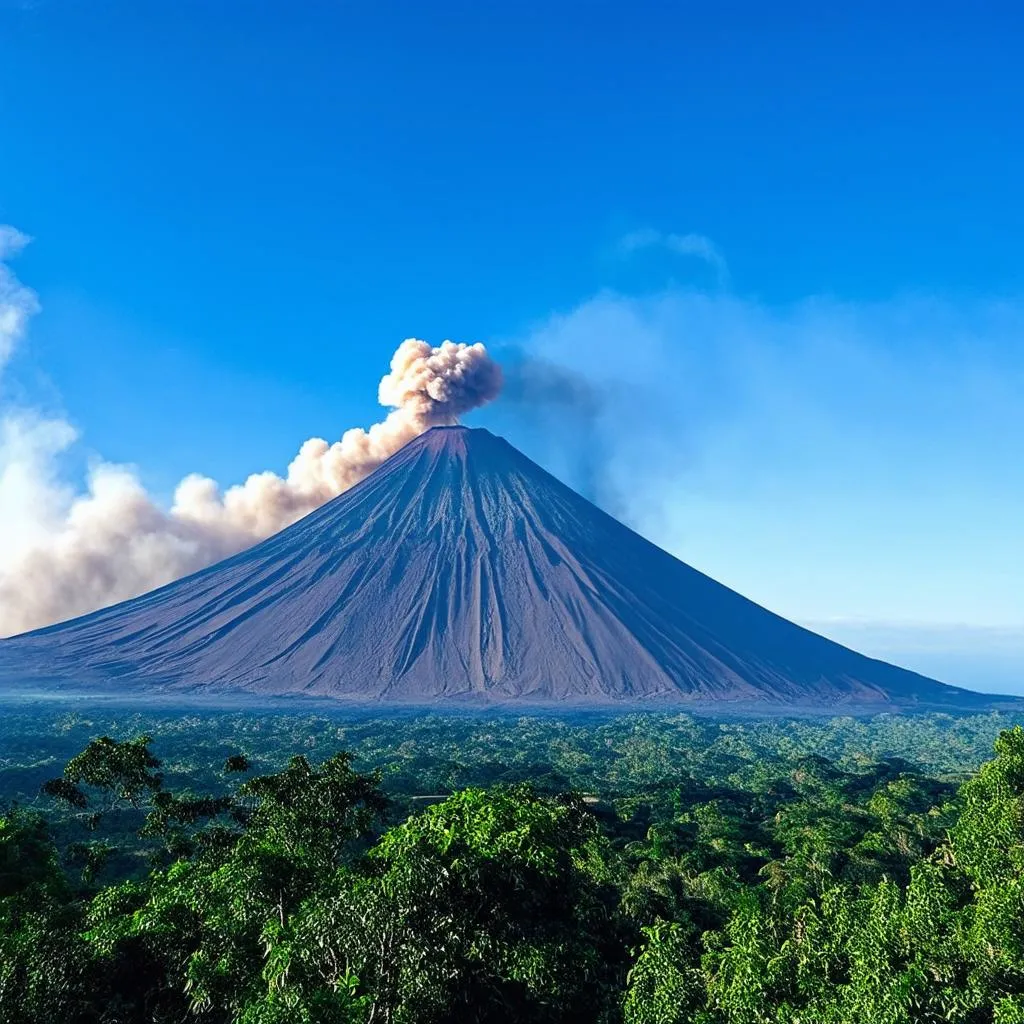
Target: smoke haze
x=17 y=303
x=65 y=554
x=558 y=412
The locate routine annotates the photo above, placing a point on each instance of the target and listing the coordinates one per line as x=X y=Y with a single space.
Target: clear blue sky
x=239 y=209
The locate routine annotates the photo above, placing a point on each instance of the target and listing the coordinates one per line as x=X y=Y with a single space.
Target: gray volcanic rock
x=461 y=569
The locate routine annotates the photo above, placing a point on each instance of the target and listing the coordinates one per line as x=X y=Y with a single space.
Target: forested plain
x=258 y=865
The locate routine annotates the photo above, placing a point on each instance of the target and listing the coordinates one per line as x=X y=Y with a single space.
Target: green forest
x=264 y=866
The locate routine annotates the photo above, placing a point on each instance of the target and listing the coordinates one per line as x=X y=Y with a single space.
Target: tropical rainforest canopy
x=641 y=869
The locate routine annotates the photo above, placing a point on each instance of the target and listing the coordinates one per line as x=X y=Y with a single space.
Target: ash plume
x=114 y=542
x=561 y=412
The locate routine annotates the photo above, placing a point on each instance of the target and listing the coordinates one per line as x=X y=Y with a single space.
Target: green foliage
x=657 y=870
x=665 y=985
x=988 y=840
x=491 y=906
x=122 y=771
x=41 y=954
x=203 y=927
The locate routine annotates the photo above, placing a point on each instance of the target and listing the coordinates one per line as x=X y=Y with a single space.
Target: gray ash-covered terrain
x=461 y=569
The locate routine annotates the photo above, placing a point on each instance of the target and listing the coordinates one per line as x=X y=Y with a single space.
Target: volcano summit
x=461 y=569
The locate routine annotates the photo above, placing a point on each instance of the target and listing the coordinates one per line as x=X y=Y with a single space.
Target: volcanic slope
x=461 y=569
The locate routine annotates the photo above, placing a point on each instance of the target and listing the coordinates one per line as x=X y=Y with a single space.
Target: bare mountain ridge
x=461 y=569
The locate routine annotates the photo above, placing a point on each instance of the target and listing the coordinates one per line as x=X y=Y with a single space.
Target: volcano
x=461 y=569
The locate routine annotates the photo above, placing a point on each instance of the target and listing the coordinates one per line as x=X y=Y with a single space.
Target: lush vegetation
x=318 y=868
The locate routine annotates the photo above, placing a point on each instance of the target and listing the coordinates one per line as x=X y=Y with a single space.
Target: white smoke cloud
x=64 y=554
x=17 y=303
x=426 y=386
x=699 y=246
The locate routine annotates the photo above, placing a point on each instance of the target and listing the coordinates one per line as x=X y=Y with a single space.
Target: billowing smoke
x=426 y=386
x=114 y=541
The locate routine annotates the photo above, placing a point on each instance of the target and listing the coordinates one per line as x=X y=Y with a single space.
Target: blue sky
x=781 y=241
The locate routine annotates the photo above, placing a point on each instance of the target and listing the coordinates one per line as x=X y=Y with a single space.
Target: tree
x=489 y=907
x=197 y=937
x=43 y=962
x=665 y=985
